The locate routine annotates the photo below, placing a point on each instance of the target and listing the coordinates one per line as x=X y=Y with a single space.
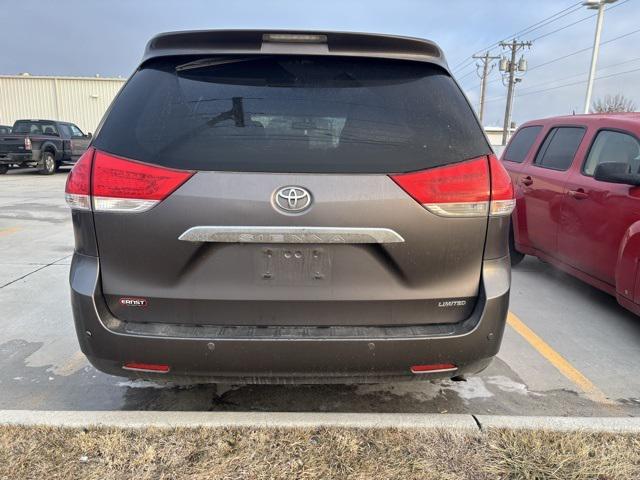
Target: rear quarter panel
x=627 y=272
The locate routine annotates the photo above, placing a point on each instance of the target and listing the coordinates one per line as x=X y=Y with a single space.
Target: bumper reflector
x=146 y=367
x=433 y=368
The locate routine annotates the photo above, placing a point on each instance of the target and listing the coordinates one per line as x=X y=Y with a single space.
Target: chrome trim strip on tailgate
x=228 y=234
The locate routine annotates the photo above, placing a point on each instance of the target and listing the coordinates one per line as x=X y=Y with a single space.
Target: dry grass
x=331 y=453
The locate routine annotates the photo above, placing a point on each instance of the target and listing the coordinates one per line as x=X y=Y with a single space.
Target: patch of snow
x=473 y=388
x=510 y=386
x=143 y=384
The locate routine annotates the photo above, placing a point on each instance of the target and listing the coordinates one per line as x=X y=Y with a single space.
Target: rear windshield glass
x=292 y=114
x=35 y=127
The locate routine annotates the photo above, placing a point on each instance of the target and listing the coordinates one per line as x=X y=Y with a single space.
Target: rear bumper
x=283 y=355
x=9 y=158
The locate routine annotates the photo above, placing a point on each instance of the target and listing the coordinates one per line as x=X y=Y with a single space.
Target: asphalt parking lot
x=569 y=349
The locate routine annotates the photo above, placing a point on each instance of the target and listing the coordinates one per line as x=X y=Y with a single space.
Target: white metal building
x=80 y=100
x=495 y=134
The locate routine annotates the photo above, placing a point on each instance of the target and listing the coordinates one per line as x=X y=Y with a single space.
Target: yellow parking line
x=558 y=361
x=9 y=231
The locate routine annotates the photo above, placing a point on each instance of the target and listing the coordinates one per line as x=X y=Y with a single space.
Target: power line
x=582 y=73
x=563 y=78
x=543 y=23
x=582 y=50
x=465 y=76
x=574 y=7
x=578 y=21
x=567 y=85
x=563 y=27
x=531 y=28
x=579 y=83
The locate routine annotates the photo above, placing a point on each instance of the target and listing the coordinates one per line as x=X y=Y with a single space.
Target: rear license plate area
x=293 y=265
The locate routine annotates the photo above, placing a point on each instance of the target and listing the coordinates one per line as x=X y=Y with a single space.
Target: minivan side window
x=559 y=148
x=611 y=146
x=521 y=143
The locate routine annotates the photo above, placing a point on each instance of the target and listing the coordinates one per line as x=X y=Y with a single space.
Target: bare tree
x=613 y=103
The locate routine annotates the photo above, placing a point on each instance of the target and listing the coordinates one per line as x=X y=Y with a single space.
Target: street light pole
x=600 y=6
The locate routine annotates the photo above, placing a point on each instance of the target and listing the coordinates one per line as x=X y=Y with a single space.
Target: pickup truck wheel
x=4 y=169
x=48 y=164
x=516 y=256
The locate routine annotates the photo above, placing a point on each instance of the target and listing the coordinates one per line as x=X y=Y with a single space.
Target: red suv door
x=542 y=184
x=597 y=214
x=515 y=158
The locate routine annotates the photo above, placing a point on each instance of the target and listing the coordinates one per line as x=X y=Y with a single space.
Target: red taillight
x=433 y=368
x=502 y=197
x=121 y=185
x=78 y=187
x=146 y=367
x=27 y=143
x=460 y=190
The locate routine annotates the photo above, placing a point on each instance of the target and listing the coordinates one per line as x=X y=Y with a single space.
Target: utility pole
x=509 y=67
x=486 y=65
x=594 y=5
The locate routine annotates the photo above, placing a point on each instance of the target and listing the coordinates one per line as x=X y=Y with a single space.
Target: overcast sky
x=86 y=37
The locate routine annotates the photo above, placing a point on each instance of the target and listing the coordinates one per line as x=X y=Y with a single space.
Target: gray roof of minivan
x=254 y=42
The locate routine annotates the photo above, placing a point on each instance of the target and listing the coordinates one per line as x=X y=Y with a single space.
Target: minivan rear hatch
x=310 y=191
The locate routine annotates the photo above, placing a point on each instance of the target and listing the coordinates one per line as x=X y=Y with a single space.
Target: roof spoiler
x=297 y=42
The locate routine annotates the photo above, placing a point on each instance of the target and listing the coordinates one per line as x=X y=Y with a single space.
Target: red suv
x=577 y=182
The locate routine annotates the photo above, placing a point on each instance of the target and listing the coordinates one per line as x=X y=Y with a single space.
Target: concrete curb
x=140 y=419
x=561 y=424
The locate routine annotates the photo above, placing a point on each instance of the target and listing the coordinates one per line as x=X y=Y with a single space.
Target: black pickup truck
x=44 y=144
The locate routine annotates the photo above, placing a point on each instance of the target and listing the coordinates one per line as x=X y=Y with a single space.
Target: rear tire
x=516 y=256
x=4 y=169
x=48 y=164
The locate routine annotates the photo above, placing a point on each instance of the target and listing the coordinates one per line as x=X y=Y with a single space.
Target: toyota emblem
x=292 y=199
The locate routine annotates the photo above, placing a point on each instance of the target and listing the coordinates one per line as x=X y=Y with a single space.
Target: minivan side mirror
x=616 y=172
x=89 y=135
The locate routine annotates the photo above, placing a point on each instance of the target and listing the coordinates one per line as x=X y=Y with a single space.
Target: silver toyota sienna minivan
x=269 y=206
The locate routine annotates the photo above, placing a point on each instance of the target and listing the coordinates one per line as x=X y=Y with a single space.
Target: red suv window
x=521 y=144
x=612 y=146
x=559 y=148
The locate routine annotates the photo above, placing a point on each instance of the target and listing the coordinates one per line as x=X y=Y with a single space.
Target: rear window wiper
x=212 y=62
